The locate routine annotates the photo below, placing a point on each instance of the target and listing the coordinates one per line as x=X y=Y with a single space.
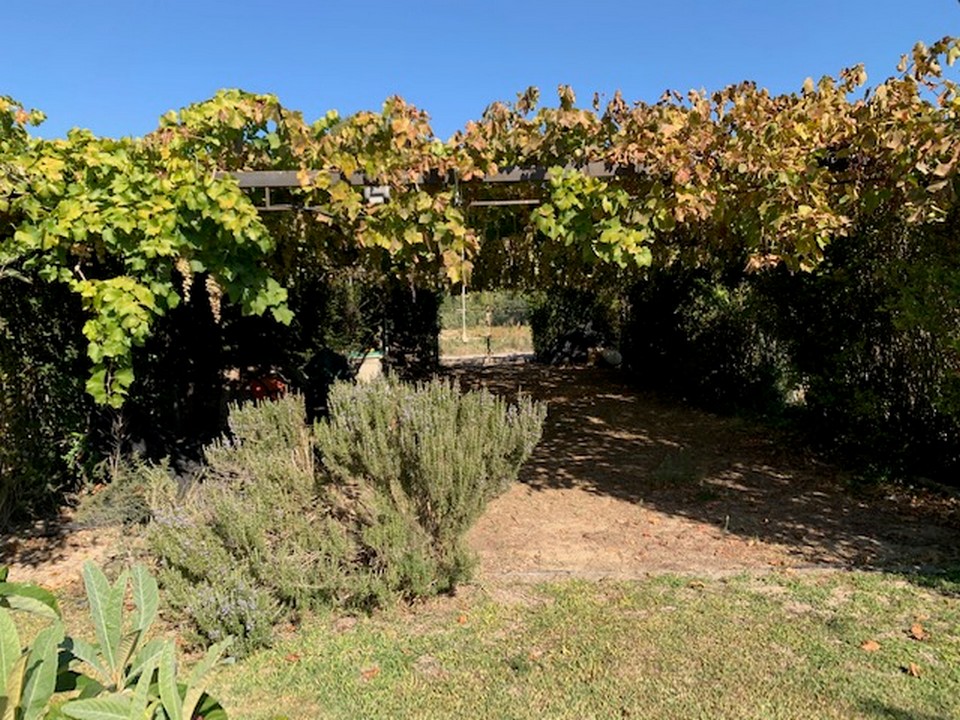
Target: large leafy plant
x=121 y=676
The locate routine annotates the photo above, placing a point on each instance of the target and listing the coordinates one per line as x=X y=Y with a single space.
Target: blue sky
x=115 y=67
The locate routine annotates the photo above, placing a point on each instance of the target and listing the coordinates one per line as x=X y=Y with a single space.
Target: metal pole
x=463 y=309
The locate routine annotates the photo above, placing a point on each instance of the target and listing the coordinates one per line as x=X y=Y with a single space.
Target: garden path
x=624 y=485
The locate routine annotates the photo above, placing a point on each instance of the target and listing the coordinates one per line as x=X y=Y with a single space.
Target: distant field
x=503 y=339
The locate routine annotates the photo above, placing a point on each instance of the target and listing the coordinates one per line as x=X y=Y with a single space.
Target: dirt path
x=623 y=485
x=52 y=554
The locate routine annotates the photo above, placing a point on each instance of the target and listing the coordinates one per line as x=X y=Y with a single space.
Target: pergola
x=265 y=185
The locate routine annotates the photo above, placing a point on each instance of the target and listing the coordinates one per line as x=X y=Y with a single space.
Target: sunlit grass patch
x=783 y=646
x=502 y=340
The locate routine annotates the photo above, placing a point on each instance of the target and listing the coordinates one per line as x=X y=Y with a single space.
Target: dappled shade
x=624 y=484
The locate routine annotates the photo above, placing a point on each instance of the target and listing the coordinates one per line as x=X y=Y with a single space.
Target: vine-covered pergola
x=126 y=224
x=263 y=185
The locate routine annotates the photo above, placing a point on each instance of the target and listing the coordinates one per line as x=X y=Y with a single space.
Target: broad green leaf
x=108 y=707
x=123 y=377
x=126 y=651
x=89 y=687
x=169 y=692
x=210 y=659
x=145 y=597
x=282 y=315
x=146 y=653
x=28 y=604
x=29 y=597
x=88 y=653
x=55 y=713
x=209 y=709
x=9 y=645
x=41 y=676
x=141 y=694
x=195 y=683
x=106 y=623
x=95 y=385
x=14 y=689
x=115 y=616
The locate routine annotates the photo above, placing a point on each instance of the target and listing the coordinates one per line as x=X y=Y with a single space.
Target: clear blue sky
x=115 y=66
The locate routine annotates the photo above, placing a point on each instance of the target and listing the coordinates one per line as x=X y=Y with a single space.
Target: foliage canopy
x=127 y=224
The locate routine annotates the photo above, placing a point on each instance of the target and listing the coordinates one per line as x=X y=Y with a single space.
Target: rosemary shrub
x=434 y=451
x=366 y=506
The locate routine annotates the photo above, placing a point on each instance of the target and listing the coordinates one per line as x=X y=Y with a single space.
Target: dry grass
x=786 y=646
x=503 y=340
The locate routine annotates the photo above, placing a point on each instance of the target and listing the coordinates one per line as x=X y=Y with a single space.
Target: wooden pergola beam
x=259 y=179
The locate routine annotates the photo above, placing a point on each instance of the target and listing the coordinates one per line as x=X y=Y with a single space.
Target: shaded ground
x=623 y=485
x=52 y=554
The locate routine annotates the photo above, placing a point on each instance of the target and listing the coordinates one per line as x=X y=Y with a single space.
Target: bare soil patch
x=52 y=553
x=624 y=485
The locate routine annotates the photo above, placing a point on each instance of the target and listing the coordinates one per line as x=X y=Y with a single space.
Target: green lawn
x=783 y=646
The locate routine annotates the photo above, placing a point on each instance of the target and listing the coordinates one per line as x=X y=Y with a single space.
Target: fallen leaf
x=870 y=646
x=370 y=673
x=292 y=657
x=917 y=632
x=462 y=619
x=913 y=670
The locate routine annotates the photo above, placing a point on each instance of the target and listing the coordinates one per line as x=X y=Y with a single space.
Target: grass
x=783 y=646
x=503 y=339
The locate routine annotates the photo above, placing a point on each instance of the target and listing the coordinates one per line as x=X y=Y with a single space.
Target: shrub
x=876 y=331
x=411 y=328
x=125 y=499
x=227 y=604
x=710 y=337
x=433 y=451
x=864 y=348
x=567 y=323
x=263 y=532
x=253 y=532
x=44 y=414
